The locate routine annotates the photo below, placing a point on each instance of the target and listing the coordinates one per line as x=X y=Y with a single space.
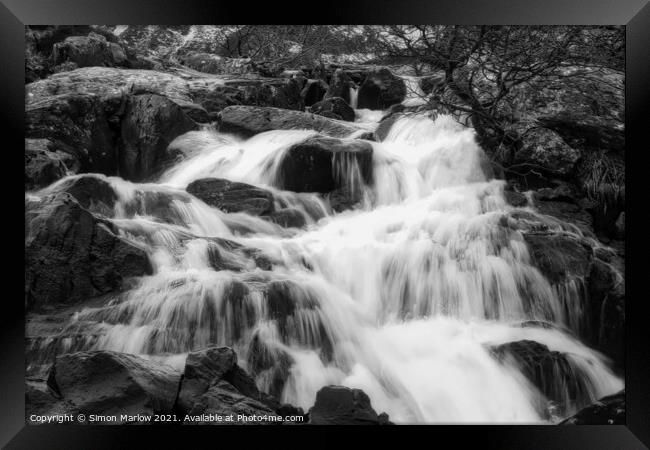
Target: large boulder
x=545 y=150
x=335 y=108
x=93 y=192
x=313 y=91
x=339 y=86
x=150 y=123
x=251 y=120
x=608 y=410
x=90 y=50
x=312 y=165
x=560 y=256
x=380 y=90
x=339 y=405
x=72 y=255
x=44 y=163
x=231 y=196
x=550 y=371
x=105 y=382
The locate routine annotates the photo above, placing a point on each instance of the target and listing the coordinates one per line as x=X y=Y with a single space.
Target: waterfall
x=354 y=97
x=403 y=297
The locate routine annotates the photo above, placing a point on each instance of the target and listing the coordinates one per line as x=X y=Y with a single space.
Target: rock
x=619 y=231
x=606 y=310
x=271 y=363
x=544 y=150
x=344 y=198
x=93 y=193
x=72 y=255
x=550 y=371
x=279 y=93
x=215 y=64
x=313 y=91
x=559 y=255
x=288 y=218
x=339 y=86
x=311 y=165
x=44 y=164
x=40 y=399
x=428 y=84
x=335 y=108
x=91 y=50
x=515 y=198
x=380 y=90
x=608 y=410
x=150 y=123
x=338 y=405
x=106 y=382
x=202 y=367
x=251 y=120
x=223 y=399
x=232 y=196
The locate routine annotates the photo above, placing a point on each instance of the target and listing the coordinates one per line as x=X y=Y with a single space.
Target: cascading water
x=403 y=297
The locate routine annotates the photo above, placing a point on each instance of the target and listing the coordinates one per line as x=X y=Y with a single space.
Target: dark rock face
x=232 y=196
x=313 y=91
x=559 y=255
x=288 y=218
x=338 y=405
x=250 y=120
x=72 y=255
x=309 y=166
x=335 y=108
x=380 y=90
x=608 y=410
x=105 y=382
x=149 y=125
x=339 y=86
x=45 y=164
x=278 y=93
x=545 y=150
x=272 y=361
x=201 y=368
x=91 y=50
x=92 y=192
x=550 y=371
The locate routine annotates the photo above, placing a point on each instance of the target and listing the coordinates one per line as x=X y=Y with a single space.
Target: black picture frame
x=634 y=14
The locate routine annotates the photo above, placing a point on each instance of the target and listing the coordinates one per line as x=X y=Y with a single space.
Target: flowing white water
x=402 y=297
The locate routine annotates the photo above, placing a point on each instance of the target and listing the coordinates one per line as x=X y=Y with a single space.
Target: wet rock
x=608 y=410
x=288 y=218
x=270 y=363
x=544 y=150
x=334 y=108
x=380 y=90
x=106 y=382
x=251 y=120
x=232 y=196
x=559 y=255
x=150 y=123
x=338 y=405
x=202 y=367
x=40 y=399
x=310 y=165
x=72 y=255
x=44 y=164
x=339 y=86
x=515 y=198
x=550 y=371
x=313 y=91
x=92 y=192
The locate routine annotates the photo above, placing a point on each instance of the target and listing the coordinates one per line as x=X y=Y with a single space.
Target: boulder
x=608 y=410
x=313 y=91
x=93 y=192
x=90 y=50
x=44 y=164
x=339 y=86
x=72 y=255
x=150 y=123
x=335 y=108
x=288 y=218
x=251 y=120
x=202 y=367
x=339 y=405
x=544 y=150
x=232 y=196
x=559 y=255
x=550 y=371
x=312 y=165
x=106 y=382
x=380 y=90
